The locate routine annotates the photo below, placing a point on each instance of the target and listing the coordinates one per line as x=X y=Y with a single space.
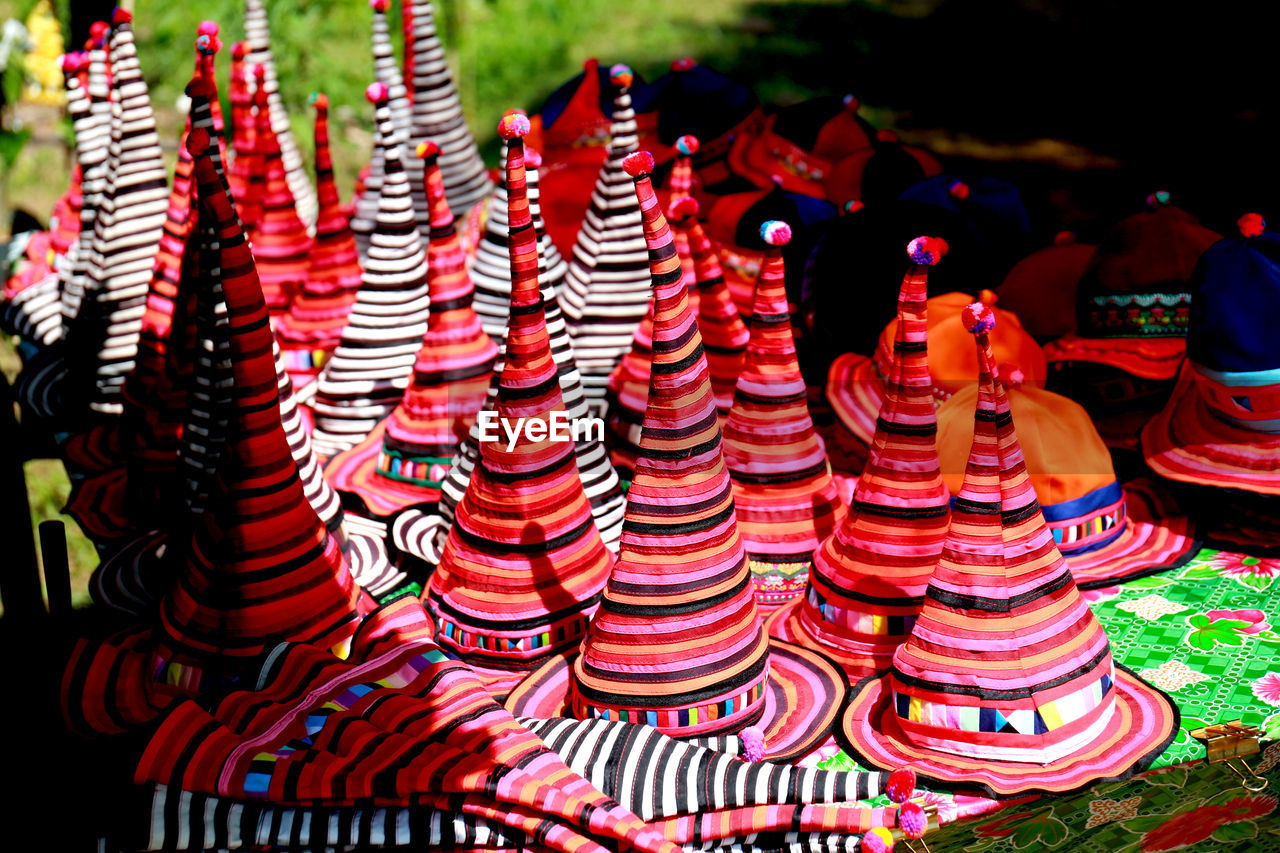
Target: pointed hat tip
x=121 y=15
x=638 y=163
x=380 y=6
x=927 y=250
x=319 y=100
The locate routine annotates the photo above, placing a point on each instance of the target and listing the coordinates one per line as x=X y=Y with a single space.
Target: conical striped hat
x=628 y=389
x=404 y=459
x=724 y=332
x=258 y=37
x=262 y=566
x=369 y=370
x=868 y=579
x=523 y=565
x=313 y=325
x=244 y=144
x=280 y=241
x=607 y=289
x=64 y=224
x=782 y=484
x=680 y=183
x=1007 y=679
x=437 y=116
x=677 y=641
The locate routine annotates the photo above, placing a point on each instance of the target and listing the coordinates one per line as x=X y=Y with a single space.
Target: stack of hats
x=370 y=368
x=1133 y=307
x=523 y=565
x=606 y=290
x=782 y=485
x=878 y=173
x=985 y=215
x=1041 y=288
x=869 y=578
x=310 y=330
x=1007 y=680
x=677 y=642
x=405 y=458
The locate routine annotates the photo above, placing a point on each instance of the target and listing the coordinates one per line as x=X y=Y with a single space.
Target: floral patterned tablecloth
x=1208 y=635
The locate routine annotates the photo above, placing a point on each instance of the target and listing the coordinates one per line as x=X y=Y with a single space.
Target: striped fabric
x=724 y=332
x=103 y=340
x=258 y=37
x=869 y=577
x=677 y=626
x=606 y=290
x=369 y=370
x=280 y=242
x=310 y=330
x=680 y=181
x=782 y=485
x=320 y=495
x=523 y=565
x=437 y=117
x=405 y=458
x=244 y=144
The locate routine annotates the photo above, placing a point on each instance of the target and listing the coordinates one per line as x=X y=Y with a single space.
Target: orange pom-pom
x=320 y=100
x=428 y=149
x=988 y=297
x=621 y=76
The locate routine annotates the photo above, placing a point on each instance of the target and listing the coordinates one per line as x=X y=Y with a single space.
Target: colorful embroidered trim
x=1138 y=315
x=296 y=360
x=667 y=718
x=428 y=471
x=553 y=637
x=860 y=621
x=1021 y=721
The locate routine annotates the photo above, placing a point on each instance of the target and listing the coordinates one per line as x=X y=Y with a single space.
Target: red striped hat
x=680 y=183
x=868 y=579
x=370 y=368
x=280 y=241
x=244 y=145
x=311 y=328
x=1007 y=681
x=523 y=565
x=677 y=642
x=782 y=484
x=606 y=290
x=724 y=332
x=405 y=458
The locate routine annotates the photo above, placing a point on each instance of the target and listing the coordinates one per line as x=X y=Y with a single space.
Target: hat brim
x=370 y=564
x=132 y=579
x=98 y=503
x=805 y=693
x=1145 y=722
x=855 y=394
x=1149 y=358
x=784 y=624
x=1187 y=441
x=1153 y=541
x=355 y=472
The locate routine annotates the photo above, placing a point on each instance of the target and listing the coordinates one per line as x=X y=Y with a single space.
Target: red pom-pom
x=685 y=63
x=927 y=250
x=207 y=28
x=532 y=159
x=851 y=103
x=853 y=206
x=320 y=100
x=638 y=163
x=959 y=190
x=978 y=318
x=886 y=135
x=240 y=50
x=514 y=125
x=99 y=29
x=683 y=207
x=1064 y=238
x=687 y=145
x=901 y=784
x=912 y=820
x=878 y=840
x=775 y=232
x=1010 y=374
x=379 y=5
x=621 y=76
x=69 y=62
x=121 y=15
x=1159 y=198
x=197 y=141
x=376 y=92
x=428 y=149
x=1251 y=225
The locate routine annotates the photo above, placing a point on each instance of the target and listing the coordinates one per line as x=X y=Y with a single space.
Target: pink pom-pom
x=428 y=149
x=240 y=50
x=70 y=64
x=514 y=125
x=682 y=208
x=1010 y=374
x=532 y=159
x=260 y=73
x=853 y=206
x=621 y=76
x=959 y=190
x=1064 y=238
x=912 y=820
x=99 y=29
x=687 y=145
x=978 y=318
x=1251 y=225
x=753 y=743
x=207 y=28
x=638 y=163
x=379 y=5
x=197 y=141
x=320 y=100
x=1159 y=198
x=901 y=784
x=775 y=232
x=685 y=63
x=121 y=15
x=878 y=840
x=886 y=135
x=927 y=250
x=376 y=92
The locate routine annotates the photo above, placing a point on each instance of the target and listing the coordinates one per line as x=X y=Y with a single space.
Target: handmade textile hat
x=313 y=325
x=696 y=99
x=855 y=383
x=1220 y=426
x=868 y=579
x=258 y=37
x=878 y=173
x=991 y=211
x=437 y=117
x=245 y=192
x=1106 y=533
x=680 y=181
x=372 y=365
x=606 y=291
x=783 y=490
x=1041 y=288
x=724 y=333
x=800 y=144
x=1007 y=681
x=523 y=565
x=280 y=241
x=677 y=641
x=405 y=458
